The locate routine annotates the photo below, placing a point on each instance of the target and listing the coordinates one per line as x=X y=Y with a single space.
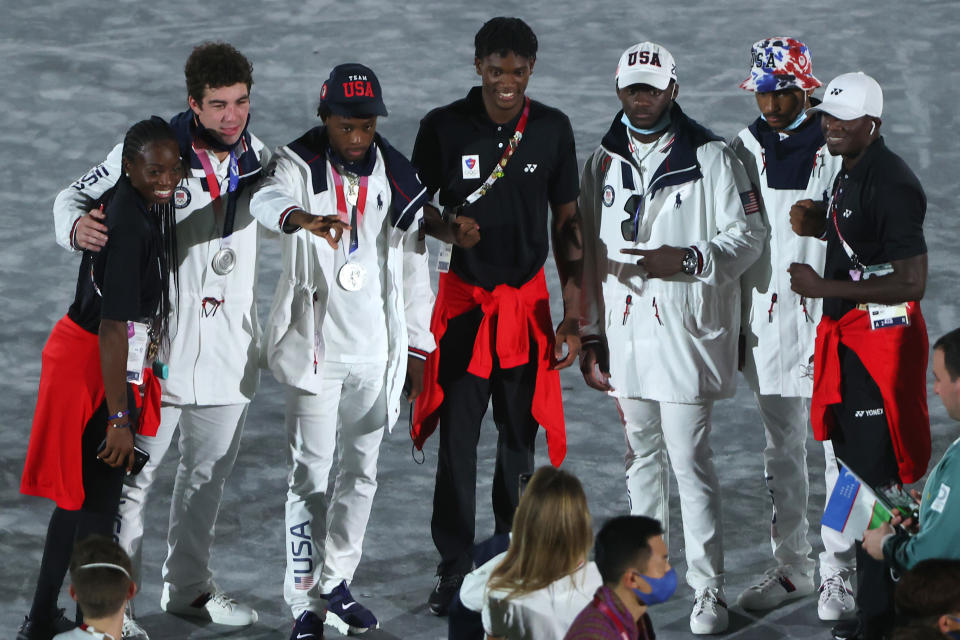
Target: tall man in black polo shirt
x=869 y=394
x=493 y=161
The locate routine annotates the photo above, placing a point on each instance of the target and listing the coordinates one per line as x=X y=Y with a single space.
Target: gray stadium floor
x=77 y=73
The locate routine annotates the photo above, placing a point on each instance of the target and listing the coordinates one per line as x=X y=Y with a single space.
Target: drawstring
x=656 y=312
x=214 y=305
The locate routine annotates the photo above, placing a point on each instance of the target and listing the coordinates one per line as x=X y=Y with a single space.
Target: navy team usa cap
x=353 y=91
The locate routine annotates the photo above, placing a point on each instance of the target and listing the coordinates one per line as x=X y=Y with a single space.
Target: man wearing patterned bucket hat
x=784 y=154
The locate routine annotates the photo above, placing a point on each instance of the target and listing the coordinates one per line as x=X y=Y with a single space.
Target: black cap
x=352 y=90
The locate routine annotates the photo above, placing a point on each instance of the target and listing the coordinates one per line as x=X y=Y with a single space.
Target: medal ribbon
x=213 y=185
x=356 y=212
x=507 y=154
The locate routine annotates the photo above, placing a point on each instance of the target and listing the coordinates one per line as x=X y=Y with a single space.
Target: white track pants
x=209 y=441
x=324 y=534
x=785 y=426
x=655 y=430
x=839 y=553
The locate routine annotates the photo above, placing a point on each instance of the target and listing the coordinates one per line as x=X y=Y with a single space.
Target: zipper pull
x=626 y=308
x=773 y=301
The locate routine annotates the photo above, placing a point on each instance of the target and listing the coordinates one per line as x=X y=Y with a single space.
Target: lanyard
x=837 y=194
x=607 y=611
x=507 y=154
x=356 y=211
x=213 y=184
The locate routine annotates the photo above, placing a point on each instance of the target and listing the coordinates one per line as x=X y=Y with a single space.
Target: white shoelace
x=833 y=587
x=706 y=601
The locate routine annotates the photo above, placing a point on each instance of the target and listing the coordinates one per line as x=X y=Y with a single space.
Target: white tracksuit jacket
x=779 y=325
x=293 y=339
x=679 y=341
x=213 y=356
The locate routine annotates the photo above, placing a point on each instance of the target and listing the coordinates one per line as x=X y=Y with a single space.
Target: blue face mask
x=796 y=123
x=662 y=588
x=660 y=125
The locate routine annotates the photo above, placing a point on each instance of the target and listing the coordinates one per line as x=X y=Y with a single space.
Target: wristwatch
x=690 y=262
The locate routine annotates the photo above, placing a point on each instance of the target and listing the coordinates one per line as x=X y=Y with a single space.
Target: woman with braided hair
x=81 y=442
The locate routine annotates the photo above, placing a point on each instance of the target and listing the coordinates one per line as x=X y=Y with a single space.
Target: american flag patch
x=750 y=202
x=302 y=583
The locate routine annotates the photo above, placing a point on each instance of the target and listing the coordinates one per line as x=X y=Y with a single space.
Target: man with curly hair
x=214 y=349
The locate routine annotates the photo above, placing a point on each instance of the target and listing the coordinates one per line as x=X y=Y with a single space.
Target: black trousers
x=102 y=486
x=466 y=397
x=864 y=444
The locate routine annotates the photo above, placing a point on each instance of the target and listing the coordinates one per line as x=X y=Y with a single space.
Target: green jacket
x=939 y=534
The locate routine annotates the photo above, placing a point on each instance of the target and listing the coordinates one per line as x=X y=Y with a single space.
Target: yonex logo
x=869 y=413
x=836 y=91
x=530 y=168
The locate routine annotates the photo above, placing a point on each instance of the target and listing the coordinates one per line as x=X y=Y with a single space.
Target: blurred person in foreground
x=100 y=582
x=631 y=555
x=536 y=588
x=928 y=596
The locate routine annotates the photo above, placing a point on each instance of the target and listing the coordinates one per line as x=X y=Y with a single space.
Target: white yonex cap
x=851 y=96
x=646 y=63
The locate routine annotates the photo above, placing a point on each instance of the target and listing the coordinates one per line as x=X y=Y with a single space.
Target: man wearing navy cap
x=348 y=325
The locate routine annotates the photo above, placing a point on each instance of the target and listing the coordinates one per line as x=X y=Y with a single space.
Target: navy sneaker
x=307 y=626
x=46 y=629
x=345 y=614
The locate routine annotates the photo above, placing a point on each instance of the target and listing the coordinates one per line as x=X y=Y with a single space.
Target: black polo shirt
x=457 y=148
x=879 y=208
x=127 y=271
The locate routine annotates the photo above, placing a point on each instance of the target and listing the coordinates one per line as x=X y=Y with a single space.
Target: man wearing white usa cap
x=659 y=334
x=869 y=391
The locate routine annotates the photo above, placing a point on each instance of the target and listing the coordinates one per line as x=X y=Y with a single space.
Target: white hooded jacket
x=778 y=325
x=294 y=347
x=673 y=339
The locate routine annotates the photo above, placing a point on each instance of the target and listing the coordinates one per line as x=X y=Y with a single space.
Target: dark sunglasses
x=634 y=209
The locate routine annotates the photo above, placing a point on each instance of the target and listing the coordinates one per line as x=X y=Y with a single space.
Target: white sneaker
x=210 y=604
x=709 y=613
x=131 y=629
x=836 y=599
x=778 y=586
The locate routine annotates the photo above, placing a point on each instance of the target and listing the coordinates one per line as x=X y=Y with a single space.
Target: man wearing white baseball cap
x=785 y=155
x=659 y=334
x=869 y=390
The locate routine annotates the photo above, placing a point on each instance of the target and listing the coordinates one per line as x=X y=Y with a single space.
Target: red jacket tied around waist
x=71 y=390
x=510 y=317
x=896 y=359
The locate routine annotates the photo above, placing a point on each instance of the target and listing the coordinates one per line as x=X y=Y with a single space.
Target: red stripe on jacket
x=896 y=359
x=510 y=317
x=71 y=390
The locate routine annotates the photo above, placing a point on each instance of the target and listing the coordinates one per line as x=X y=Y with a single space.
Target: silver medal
x=224 y=261
x=352 y=276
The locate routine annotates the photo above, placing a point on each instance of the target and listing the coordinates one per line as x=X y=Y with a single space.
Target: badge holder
x=883 y=316
x=138 y=341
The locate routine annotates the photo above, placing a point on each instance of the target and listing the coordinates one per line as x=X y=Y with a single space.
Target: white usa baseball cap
x=646 y=63
x=851 y=96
